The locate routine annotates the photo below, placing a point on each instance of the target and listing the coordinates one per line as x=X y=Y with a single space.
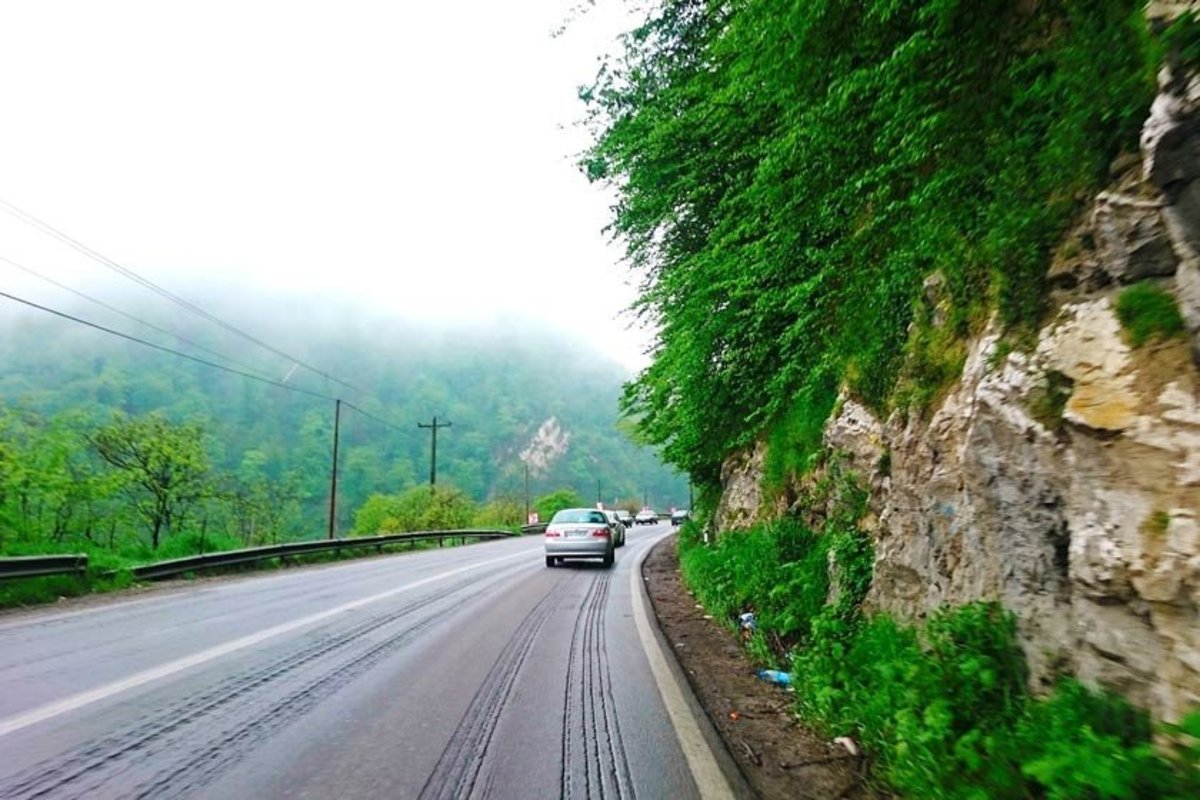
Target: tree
x=505 y=512
x=164 y=465
x=258 y=507
x=49 y=489
x=548 y=505
x=418 y=508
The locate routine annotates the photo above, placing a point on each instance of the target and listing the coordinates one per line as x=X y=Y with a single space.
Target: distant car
x=646 y=517
x=579 y=533
x=625 y=517
x=680 y=515
x=618 y=527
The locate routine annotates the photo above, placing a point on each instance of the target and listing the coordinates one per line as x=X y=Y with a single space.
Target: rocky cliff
x=1061 y=478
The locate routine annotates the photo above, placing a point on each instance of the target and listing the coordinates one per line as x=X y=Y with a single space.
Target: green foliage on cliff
x=1182 y=39
x=1147 y=312
x=789 y=174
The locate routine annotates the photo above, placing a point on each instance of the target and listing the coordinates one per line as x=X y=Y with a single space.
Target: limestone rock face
x=1171 y=163
x=1132 y=238
x=741 y=490
x=1084 y=525
x=1087 y=347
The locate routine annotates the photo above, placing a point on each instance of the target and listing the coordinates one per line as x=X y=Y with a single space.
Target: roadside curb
x=714 y=770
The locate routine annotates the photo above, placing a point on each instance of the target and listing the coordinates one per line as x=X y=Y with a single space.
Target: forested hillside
x=267 y=450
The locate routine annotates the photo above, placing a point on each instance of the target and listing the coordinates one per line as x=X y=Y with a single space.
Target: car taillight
x=551 y=533
x=603 y=533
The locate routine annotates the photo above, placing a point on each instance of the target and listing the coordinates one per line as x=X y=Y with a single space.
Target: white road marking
x=707 y=774
x=51 y=710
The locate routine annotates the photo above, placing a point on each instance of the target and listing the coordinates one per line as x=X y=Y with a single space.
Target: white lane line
x=707 y=774
x=50 y=710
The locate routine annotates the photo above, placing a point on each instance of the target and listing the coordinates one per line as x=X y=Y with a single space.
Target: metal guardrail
x=39 y=566
x=531 y=529
x=179 y=566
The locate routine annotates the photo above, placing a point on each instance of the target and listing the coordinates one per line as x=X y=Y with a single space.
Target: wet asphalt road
x=464 y=672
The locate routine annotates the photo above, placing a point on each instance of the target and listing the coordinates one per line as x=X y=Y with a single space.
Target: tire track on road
x=594 y=760
x=214 y=729
x=457 y=771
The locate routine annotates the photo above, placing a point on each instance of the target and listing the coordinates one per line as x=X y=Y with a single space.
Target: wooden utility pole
x=433 y=429
x=337 y=421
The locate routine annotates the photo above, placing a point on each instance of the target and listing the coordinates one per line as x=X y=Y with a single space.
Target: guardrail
x=531 y=529
x=179 y=566
x=39 y=566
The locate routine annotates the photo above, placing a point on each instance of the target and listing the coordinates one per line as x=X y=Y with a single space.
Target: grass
x=1048 y=401
x=1148 y=313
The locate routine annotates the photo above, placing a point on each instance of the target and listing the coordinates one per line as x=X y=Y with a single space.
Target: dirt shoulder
x=779 y=758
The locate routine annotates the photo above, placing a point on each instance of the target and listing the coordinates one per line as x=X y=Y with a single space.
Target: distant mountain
x=508 y=390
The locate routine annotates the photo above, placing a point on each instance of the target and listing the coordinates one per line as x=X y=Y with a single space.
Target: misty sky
x=415 y=156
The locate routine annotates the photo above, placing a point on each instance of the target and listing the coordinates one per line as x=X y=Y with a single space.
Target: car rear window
x=579 y=515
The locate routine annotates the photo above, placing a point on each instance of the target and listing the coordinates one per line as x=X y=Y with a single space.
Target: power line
x=205 y=362
x=163 y=349
x=75 y=244
x=380 y=420
x=126 y=314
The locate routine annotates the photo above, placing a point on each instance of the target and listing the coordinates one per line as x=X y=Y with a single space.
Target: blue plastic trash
x=775 y=676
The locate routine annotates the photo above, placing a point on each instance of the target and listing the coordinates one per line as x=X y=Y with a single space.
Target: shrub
x=777 y=570
x=1084 y=744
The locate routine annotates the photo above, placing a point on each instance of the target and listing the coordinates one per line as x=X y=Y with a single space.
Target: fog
x=411 y=163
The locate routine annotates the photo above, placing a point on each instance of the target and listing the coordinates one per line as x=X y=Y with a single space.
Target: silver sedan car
x=579 y=533
x=618 y=526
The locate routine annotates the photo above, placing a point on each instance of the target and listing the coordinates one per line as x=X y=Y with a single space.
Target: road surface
x=466 y=672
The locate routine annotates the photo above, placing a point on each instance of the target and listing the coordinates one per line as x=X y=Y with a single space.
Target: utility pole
x=337 y=421
x=526 y=491
x=433 y=429
x=599 y=501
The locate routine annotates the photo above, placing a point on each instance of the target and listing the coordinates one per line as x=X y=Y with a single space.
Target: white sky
x=416 y=156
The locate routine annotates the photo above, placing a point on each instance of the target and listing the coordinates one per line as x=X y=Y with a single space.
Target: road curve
x=465 y=672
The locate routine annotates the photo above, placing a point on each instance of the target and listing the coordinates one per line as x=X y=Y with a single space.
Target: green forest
x=109 y=444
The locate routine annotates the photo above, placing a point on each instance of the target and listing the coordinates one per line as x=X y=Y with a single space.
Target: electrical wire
x=380 y=420
x=127 y=315
x=205 y=362
x=163 y=349
x=75 y=244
